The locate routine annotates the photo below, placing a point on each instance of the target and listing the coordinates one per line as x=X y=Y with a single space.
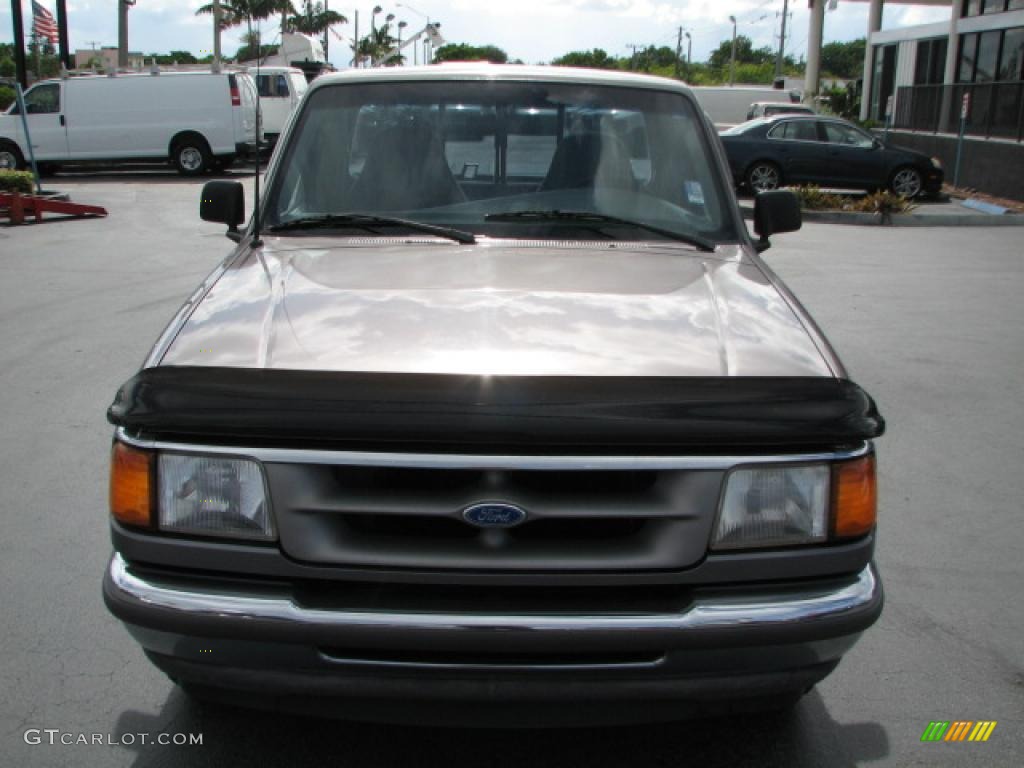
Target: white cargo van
x=728 y=105
x=197 y=120
x=281 y=90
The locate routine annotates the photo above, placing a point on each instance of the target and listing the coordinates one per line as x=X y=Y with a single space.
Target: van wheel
x=11 y=158
x=191 y=156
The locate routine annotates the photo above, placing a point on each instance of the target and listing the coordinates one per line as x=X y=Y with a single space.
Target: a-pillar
x=813 y=79
x=874 y=24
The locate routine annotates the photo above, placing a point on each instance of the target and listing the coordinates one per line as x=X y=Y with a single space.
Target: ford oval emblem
x=494 y=515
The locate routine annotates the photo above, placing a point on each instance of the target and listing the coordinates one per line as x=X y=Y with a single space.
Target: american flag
x=43 y=23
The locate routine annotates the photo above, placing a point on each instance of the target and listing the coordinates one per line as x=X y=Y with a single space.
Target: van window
x=41 y=100
x=273 y=86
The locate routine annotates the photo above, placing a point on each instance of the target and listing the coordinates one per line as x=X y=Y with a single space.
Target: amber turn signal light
x=854 y=497
x=131 y=485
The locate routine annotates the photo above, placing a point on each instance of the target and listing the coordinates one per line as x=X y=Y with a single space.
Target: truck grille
x=577 y=520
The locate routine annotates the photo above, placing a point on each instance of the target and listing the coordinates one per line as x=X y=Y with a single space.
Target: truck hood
x=537 y=309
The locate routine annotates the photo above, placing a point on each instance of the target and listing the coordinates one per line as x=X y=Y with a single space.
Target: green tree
x=377 y=44
x=844 y=60
x=315 y=19
x=465 y=52
x=42 y=58
x=652 y=58
x=249 y=52
x=237 y=12
x=595 y=59
x=745 y=53
x=174 y=57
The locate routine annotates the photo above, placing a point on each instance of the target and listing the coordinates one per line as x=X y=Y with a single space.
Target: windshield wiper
x=588 y=217
x=368 y=221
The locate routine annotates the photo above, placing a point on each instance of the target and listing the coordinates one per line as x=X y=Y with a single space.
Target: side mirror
x=775 y=212
x=877 y=144
x=224 y=203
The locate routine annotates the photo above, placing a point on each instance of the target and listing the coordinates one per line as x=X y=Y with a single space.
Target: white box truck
x=196 y=120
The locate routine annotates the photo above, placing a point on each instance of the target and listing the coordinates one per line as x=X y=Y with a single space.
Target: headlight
x=937 y=163
x=774 y=507
x=213 y=496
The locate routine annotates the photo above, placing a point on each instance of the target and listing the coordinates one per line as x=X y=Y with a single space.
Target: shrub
x=813 y=199
x=884 y=202
x=17 y=181
x=7 y=96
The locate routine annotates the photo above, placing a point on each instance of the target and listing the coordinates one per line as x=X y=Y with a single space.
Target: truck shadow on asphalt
x=806 y=736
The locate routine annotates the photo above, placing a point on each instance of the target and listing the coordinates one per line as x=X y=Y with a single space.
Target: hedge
x=17 y=181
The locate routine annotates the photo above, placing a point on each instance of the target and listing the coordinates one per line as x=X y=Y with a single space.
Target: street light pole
x=732 y=59
x=426 y=42
x=401 y=25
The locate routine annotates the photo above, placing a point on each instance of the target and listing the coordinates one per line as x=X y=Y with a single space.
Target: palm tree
x=315 y=19
x=235 y=12
x=376 y=44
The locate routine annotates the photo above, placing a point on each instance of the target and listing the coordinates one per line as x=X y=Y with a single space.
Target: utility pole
x=632 y=58
x=689 y=56
x=780 y=61
x=216 y=36
x=732 y=59
x=679 y=51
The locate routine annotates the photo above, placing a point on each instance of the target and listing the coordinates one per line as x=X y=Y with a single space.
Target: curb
x=905 y=219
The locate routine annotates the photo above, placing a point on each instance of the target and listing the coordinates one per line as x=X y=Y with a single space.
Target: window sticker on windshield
x=694 y=193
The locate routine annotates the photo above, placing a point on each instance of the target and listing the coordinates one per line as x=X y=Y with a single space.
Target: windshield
x=465 y=154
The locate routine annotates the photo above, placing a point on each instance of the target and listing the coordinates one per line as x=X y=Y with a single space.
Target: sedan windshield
x=470 y=155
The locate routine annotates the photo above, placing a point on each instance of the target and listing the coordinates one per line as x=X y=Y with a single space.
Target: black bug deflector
x=441 y=412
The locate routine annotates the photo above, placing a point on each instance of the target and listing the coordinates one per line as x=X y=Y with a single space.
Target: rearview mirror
x=224 y=202
x=775 y=212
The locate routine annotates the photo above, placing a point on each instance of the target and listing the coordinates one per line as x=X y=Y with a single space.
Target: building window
x=987 y=59
x=972 y=8
x=968 y=54
x=1011 y=62
x=994 y=6
x=931 y=61
x=1015 y=5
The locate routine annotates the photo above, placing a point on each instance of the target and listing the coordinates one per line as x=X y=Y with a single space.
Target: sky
x=535 y=31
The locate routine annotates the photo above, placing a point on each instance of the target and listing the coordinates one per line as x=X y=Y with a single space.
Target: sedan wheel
x=906 y=182
x=764 y=177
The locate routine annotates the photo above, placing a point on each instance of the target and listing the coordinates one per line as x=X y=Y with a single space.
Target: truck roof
x=509 y=72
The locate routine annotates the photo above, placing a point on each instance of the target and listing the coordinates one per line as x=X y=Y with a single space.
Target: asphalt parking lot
x=929 y=320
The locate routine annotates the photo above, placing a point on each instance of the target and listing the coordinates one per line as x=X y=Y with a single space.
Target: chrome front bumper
x=258 y=647
x=788 y=608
